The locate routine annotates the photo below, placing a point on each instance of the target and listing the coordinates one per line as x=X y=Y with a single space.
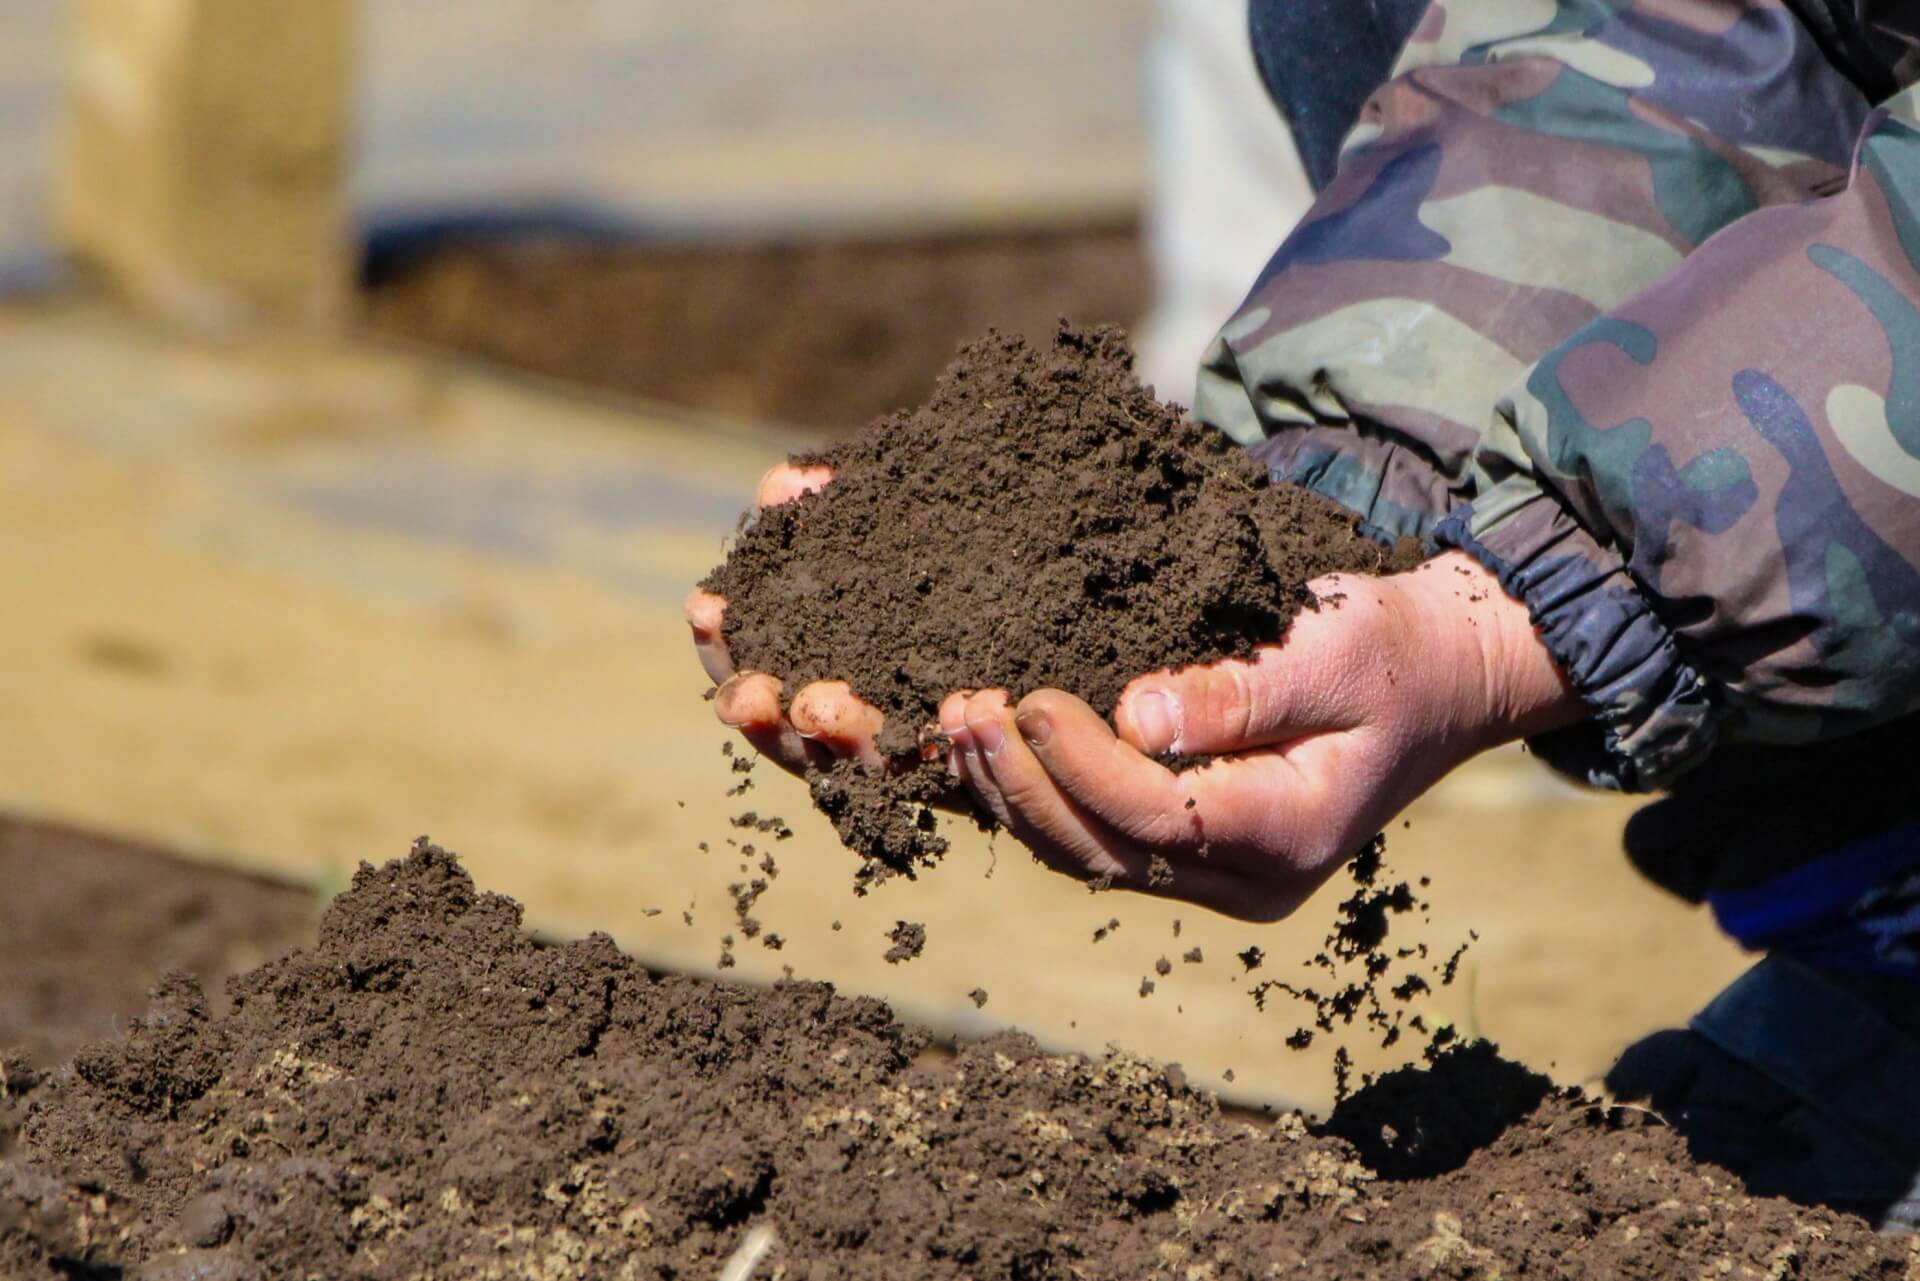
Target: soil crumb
x=909 y=939
x=979 y=998
x=1041 y=522
x=429 y=1092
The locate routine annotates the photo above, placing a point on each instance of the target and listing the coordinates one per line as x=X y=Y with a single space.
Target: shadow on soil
x=1415 y=1123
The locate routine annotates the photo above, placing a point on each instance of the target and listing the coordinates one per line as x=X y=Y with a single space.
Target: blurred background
x=376 y=377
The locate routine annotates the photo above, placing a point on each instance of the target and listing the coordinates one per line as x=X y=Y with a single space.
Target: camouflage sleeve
x=1710 y=496
x=1533 y=166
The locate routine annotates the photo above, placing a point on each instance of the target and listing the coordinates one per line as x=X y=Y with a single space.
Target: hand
x=1366 y=703
x=824 y=720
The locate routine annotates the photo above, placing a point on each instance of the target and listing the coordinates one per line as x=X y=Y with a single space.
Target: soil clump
x=1041 y=522
x=429 y=1092
x=909 y=939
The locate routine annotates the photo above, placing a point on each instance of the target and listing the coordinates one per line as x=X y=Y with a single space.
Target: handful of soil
x=1041 y=522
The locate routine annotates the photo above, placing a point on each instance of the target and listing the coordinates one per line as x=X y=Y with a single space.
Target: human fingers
x=750 y=703
x=785 y=482
x=1322 y=676
x=958 y=715
x=1272 y=820
x=1031 y=805
x=704 y=612
x=1067 y=835
x=1262 y=800
x=829 y=713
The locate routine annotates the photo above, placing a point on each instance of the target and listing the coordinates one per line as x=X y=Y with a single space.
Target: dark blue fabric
x=1857 y=908
x=1322 y=60
x=1803 y=1082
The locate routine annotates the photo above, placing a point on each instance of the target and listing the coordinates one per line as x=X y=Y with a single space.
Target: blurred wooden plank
x=759 y=115
x=203 y=167
x=736 y=116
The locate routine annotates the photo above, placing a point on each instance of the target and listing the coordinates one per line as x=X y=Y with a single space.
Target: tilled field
x=428 y=1092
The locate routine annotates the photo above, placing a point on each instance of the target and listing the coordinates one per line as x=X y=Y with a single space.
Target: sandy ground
x=291 y=607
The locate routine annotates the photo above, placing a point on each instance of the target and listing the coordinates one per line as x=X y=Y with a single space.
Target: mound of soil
x=429 y=1093
x=87 y=923
x=1041 y=522
x=822 y=334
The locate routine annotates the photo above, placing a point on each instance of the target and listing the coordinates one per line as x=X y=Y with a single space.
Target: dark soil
x=824 y=334
x=909 y=939
x=427 y=1092
x=88 y=924
x=1041 y=522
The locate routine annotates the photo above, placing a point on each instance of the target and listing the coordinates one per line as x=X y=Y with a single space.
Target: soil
x=823 y=334
x=89 y=923
x=428 y=1092
x=1041 y=522
x=909 y=939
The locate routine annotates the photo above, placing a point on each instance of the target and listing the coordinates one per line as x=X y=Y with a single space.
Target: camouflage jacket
x=1623 y=298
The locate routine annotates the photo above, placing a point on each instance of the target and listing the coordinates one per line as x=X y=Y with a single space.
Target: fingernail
x=1035 y=727
x=990 y=738
x=1156 y=718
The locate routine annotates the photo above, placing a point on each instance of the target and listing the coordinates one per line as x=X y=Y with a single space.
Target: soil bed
x=427 y=1092
x=1041 y=522
x=88 y=923
x=822 y=334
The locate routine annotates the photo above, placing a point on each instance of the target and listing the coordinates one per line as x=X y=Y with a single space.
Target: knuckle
x=1226 y=704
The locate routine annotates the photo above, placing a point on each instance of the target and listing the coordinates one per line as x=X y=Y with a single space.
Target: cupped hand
x=823 y=720
x=1366 y=702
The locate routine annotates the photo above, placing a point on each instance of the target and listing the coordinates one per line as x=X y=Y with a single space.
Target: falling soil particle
x=909 y=940
x=1253 y=958
x=1361 y=967
x=745 y=895
x=752 y=821
x=1146 y=987
x=1042 y=522
x=979 y=997
x=1194 y=956
x=428 y=1091
x=1163 y=967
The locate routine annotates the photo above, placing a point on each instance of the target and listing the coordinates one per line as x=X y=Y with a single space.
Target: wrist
x=1509 y=682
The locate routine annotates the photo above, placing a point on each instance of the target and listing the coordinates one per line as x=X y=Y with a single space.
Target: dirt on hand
x=1041 y=522
x=428 y=1091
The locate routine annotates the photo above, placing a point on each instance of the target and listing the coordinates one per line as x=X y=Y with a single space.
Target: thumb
x=1313 y=682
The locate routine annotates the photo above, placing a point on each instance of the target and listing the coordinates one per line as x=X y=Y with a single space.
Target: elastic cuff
x=1654 y=715
x=1396 y=492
